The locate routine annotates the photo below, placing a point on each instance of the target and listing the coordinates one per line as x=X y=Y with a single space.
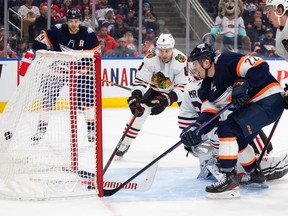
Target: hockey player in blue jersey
x=67 y=37
x=274 y=164
x=257 y=97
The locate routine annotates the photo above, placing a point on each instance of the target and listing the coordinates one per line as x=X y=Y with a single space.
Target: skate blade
x=255 y=186
x=231 y=194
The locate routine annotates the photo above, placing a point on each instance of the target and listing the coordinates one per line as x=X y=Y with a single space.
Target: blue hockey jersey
x=231 y=66
x=59 y=36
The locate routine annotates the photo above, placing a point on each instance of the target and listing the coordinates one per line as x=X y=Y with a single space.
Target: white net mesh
x=48 y=129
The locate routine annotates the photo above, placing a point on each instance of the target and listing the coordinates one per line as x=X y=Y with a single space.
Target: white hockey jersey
x=282 y=42
x=175 y=71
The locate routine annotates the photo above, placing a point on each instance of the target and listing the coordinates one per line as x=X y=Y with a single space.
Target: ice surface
x=175 y=191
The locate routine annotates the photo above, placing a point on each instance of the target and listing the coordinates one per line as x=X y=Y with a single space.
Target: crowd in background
x=116 y=24
x=117 y=21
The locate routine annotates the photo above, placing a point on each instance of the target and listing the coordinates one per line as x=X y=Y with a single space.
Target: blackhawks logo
x=150 y=54
x=180 y=58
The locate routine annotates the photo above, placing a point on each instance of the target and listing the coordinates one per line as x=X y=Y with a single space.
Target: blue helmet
x=203 y=51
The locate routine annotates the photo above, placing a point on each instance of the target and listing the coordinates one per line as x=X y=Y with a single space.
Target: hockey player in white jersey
x=277 y=14
x=159 y=82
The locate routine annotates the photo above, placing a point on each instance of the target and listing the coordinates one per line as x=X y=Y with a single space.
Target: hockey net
x=51 y=129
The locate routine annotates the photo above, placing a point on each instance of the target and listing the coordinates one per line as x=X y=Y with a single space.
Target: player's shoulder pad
x=150 y=54
x=179 y=56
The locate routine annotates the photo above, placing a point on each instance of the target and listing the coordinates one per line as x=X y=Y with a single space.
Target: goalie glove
x=162 y=101
x=134 y=102
x=191 y=137
x=240 y=92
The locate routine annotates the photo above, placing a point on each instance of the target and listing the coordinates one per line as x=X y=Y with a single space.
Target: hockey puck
x=8 y=135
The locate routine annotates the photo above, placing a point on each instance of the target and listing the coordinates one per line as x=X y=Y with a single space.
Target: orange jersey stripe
x=227 y=139
x=230 y=157
x=263 y=90
x=249 y=163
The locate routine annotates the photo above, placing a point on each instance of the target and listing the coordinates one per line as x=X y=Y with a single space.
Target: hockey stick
x=110 y=192
x=135 y=186
x=115 y=84
x=268 y=141
x=118 y=144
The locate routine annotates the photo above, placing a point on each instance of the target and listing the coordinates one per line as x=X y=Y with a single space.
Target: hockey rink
x=175 y=190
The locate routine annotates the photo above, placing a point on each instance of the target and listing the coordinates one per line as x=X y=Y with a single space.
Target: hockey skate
x=122 y=149
x=256 y=179
x=227 y=187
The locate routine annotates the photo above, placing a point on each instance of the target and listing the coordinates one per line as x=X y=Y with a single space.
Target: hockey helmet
x=73 y=13
x=276 y=3
x=203 y=51
x=165 y=41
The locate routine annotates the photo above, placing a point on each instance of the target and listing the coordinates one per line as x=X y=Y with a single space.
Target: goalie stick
x=134 y=186
x=115 y=84
x=118 y=144
x=110 y=192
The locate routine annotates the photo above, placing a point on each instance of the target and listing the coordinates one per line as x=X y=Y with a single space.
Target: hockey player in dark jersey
x=257 y=97
x=67 y=37
x=274 y=164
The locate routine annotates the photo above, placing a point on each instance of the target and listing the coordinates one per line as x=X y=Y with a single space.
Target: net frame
x=16 y=187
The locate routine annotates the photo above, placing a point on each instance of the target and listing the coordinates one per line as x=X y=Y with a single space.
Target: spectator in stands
x=130 y=5
x=131 y=41
x=110 y=42
x=122 y=50
x=29 y=14
x=132 y=21
x=101 y=10
x=67 y=4
x=116 y=4
x=149 y=17
x=103 y=46
x=150 y=40
x=83 y=3
x=109 y=21
x=40 y=23
x=15 y=4
x=10 y=53
x=268 y=44
x=21 y=48
x=257 y=31
x=55 y=14
x=87 y=18
x=119 y=28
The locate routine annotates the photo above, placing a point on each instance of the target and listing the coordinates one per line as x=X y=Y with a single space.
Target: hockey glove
x=191 y=137
x=240 y=92
x=162 y=101
x=134 y=103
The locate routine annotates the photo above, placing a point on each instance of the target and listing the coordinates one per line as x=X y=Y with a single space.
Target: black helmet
x=73 y=13
x=203 y=51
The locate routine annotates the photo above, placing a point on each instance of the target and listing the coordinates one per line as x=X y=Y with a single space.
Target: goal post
x=51 y=129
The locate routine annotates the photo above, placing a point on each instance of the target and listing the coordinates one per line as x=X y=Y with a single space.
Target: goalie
x=274 y=165
x=67 y=37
